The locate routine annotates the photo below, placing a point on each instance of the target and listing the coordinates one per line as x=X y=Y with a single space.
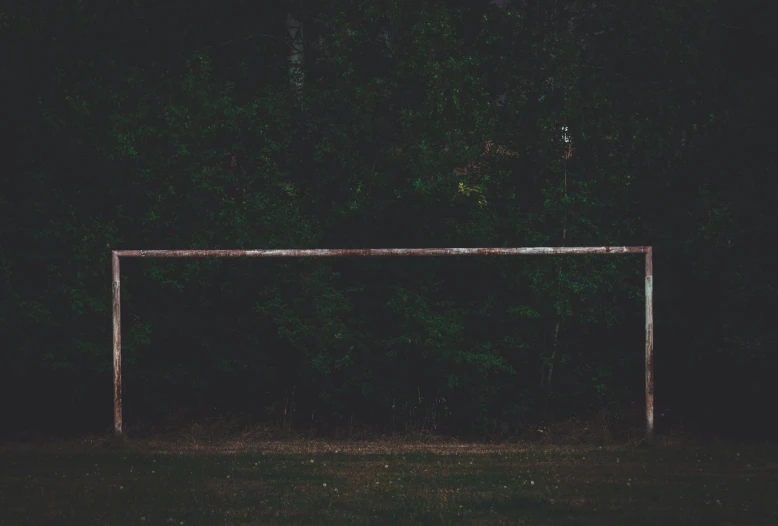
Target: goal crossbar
x=375 y=252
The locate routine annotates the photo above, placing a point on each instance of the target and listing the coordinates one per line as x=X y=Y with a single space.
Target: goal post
x=376 y=252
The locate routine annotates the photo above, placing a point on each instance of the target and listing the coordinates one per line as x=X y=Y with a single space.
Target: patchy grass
x=246 y=482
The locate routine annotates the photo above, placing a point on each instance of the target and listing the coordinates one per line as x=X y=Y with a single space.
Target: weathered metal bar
x=528 y=251
x=649 y=344
x=117 y=346
x=355 y=252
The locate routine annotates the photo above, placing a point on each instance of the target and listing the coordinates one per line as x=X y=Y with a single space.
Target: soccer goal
x=379 y=252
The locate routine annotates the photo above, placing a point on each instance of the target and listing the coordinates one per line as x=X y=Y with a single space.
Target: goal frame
x=116 y=255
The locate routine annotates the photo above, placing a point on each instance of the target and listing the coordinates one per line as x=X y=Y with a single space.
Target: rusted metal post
x=117 y=346
x=385 y=252
x=649 y=344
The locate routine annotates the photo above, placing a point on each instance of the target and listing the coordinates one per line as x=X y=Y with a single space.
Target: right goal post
x=377 y=252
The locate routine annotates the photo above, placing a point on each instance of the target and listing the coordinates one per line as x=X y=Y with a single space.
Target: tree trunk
x=296 y=57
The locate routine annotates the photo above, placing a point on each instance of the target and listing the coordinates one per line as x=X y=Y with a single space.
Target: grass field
x=147 y=482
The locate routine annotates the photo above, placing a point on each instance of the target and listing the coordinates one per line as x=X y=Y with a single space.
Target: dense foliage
x=431 y=123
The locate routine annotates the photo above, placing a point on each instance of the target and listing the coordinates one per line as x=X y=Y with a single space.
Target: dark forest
x=347 y=124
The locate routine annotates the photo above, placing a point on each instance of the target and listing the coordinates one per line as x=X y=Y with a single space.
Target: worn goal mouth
x=383 y=252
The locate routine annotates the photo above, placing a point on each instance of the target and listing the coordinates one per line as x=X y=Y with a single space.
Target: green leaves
x=427 y=125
